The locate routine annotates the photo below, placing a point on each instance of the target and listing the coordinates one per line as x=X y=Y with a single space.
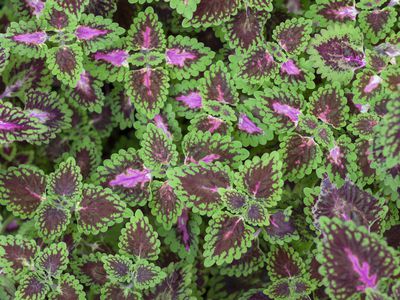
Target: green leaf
x=53 y=260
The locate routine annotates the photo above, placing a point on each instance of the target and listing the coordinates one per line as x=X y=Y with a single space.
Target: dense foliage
x=199 y=149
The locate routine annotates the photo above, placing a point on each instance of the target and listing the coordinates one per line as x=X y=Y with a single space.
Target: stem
x=7 y=221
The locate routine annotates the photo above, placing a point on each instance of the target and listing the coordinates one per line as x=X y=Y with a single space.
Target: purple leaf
x=284 y=262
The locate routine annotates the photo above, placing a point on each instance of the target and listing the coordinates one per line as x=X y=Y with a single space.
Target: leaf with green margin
x=16 y=253
x=235 y=201
x=118 y=267
x=207 y=147
x=367 y=87
x=282 y=228
x=352 y=259
x=293 y=288
x=68 y=288
x=66 y=181
x=369 y=4
x=184 y=7
x=32 y=287
x=364 y=173
x=197 y=185
x=165 y=204
x=327 y=12
x=148 y=88
x=293 y=35
x=118 y=173
x=26 y=39
x=18 y=126
x=363 y=124
x=329 y=104
x=301 y=155
x=52 y=219
x=209 y=124
x=146 y=33
x=297 y=74
x=56 y=19
x=47 y=108
x=89 y=269
x=4 y=57
x=217 y=85
x=147 y=275
x=391 y=77
x=265 y=5
x=246 y=28
x=210 y=13
x=377 y=24
x=337 y=52
x=27 y=10
x=284 y=262
x=186 y=98
x=96 y=33
x=138 y=239
x=99 y=209
x=177 y=284
x=123 y=111
x=280 y=108
x=65 y=62
x=53 y=260
x=75 y=7
x=261 y=178
x=116 y=291
x=349 y=202
x=22 y=189
x=87 y=154
x=104 y=8
x=186 y=57
x=227 y=238
x=256 y=213
x=87 y=93
x=250 y=262
x=158 y=151
x=219 y=109
x=101 y=121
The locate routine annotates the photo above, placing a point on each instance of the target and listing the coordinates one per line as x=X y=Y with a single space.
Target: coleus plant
x=196 y=149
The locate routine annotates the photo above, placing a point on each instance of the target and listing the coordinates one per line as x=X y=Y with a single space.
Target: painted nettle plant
x=199 y=149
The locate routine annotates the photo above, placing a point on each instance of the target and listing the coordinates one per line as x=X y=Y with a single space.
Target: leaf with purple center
x=96 y=33
x=126 y=175
x=123 y=111
x=377 y=24
x=227 y=238
x=186 y=98
x=186 y=57
x=301 y=155
x=101 y=121
x=364 y=173
x=246 y=28
x=207 y=147
x=292 y=288
x=147 y=275
x=352 y=259
x=28 y=9
x=339 y=161
x=280 y=107
x=376 y=60
x=337 y=52
x=256 y=214
x=198 y=184
x=99 y=209
x=89 y=269
x=165 y=204
x=281 y=228
x=217 y=85
x=74 y=7
x=22 y=189
x=210 y=124
x=368 y=87
x=347 y=203
x=48 y=110
x=138 y=239
x=87 y=154
x=17 y=125
x=87 y=93
x=53 y=260
x=149 y=89
x=118 y=267
x=363 y=124
x=68 y=287
x=104 y=8
x=32 y=287
x=16 y=253
x=59 y=20
x=146 y=32
x=332 y=11
x=210 y=13
x=293 y=35
x=4 y=57
x=65 y=62
x=26 y=39
x=235 y=201
x=220 y=110
x=298 y=74
x=329 y=104
x=158 y=151
x=261 y=178
x=284 y=262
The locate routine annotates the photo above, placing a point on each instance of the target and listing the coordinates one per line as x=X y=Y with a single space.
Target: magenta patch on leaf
x=88 y=33
x=117 y=58
x=192 y=100
x=363 y=270
x=210 y=158
x=373 y=83
x=39 y=114
x=290 y=112
x=131 y=178
x=6 y=126
x=160 y=123
x=290 y=68
x=183 y=221
x=178 y=57
x=84 y=83
x=335 y=155
x=35 y=38
x=345 y=13
x=246 y=125
x=36 y=6
x=146 y=38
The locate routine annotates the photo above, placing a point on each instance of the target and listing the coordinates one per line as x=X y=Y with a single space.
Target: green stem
x=7 y=221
